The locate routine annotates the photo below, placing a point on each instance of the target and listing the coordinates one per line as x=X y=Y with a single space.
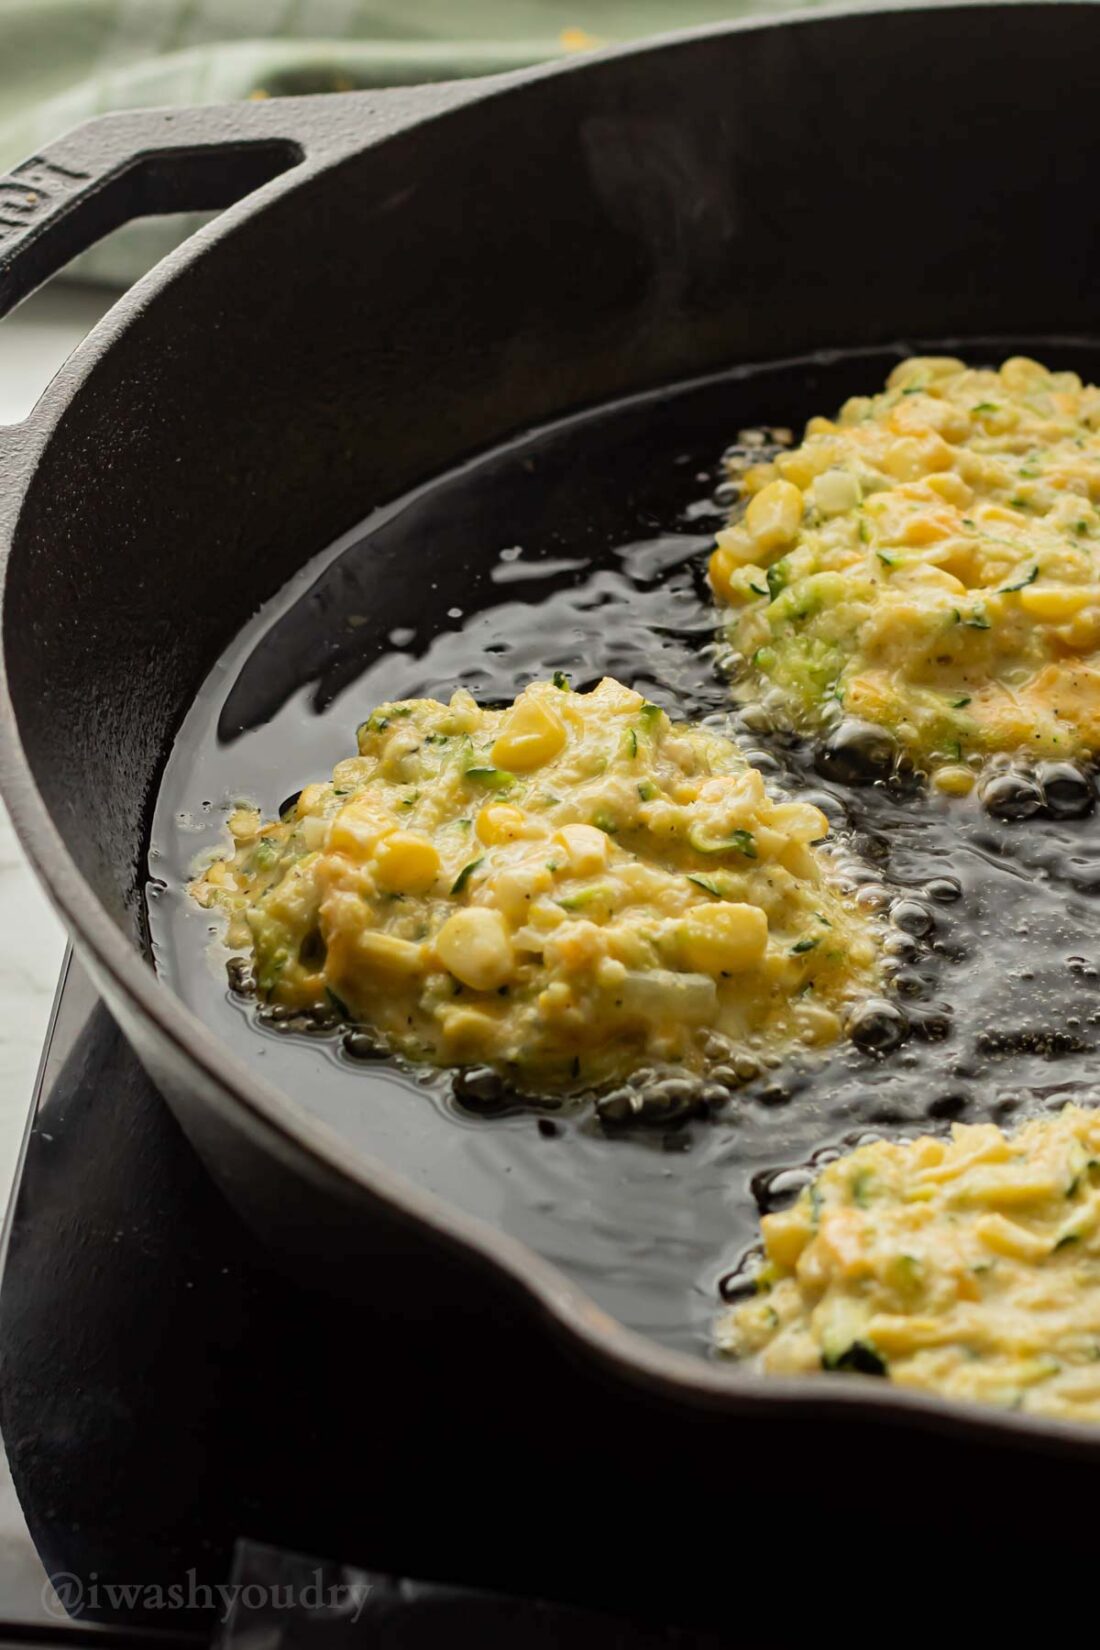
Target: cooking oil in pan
x=582 y=548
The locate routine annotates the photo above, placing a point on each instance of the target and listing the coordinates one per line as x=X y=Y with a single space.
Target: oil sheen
x=583 y=548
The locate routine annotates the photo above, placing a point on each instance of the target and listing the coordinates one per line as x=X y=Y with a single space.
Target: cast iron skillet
x=414 y=276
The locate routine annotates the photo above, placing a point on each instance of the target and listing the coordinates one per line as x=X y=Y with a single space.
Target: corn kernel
x=586 y=848
x=310 y=798
x=465 y=711
x=737 y=545
x=356 y=831
x=724 y=938
x=721 y=569
x=514 y=889
x=1020 y=375
x=930 y=527
x=244 y=823
x=912 y=457
x=1008 y=1237
x=387 y=954
x=800 y=821
x=953 y=780
x=558 y=1007
x=1082 y=633
x=997 y=513
x=474 y=946
x=499 y=822
x=918 y=414
x=952 y=487
x=352 y=772
x=799 y=861
x=804 y=463
x=1055 y=606
x=816 y=1023
x=405 y=863
x=922 y=369
x=836 y=491
x=785 y=1236
x=531 y=735
x=932 y=578
x=757 y=477
x=735 y=582
x=774 y=516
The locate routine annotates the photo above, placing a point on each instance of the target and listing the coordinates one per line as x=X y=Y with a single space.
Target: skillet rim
x=249 y=1101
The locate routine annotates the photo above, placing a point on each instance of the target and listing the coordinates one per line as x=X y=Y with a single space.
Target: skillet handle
x=101 y=175
x=146 y=161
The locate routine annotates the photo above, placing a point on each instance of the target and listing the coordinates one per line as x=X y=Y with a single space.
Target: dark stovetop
x=131 y=1296
x=166 y=1394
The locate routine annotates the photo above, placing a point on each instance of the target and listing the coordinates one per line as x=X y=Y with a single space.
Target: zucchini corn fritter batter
x=927 y=563
x=554 y=889
x=968 y=1266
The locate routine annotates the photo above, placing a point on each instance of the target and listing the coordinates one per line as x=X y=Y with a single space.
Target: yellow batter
x=928 y=563
x=561 y=889
x=968 y=1266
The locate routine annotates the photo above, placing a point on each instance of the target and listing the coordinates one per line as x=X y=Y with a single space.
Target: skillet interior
x=582 y=548
x=596 y=232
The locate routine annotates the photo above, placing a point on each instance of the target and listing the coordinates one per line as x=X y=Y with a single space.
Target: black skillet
x=414 y=277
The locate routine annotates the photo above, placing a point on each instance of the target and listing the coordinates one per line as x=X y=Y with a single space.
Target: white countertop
x=33 y=344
